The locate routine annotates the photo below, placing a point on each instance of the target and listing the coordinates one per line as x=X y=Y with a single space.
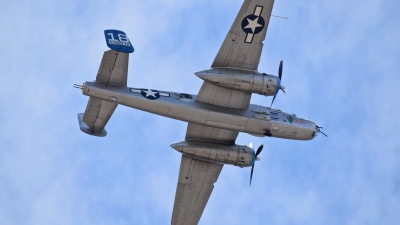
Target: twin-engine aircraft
x=215 y=116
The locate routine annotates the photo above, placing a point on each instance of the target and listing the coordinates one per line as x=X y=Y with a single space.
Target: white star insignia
x=150 y=93
x=253 y=24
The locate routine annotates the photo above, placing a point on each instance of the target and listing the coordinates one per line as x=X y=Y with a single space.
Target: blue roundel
x=253 y=24
x=150 y=94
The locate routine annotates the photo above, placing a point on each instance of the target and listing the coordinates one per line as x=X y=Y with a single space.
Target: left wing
x=195 y=184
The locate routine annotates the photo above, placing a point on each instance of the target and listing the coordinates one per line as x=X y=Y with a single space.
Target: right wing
x=244 y=42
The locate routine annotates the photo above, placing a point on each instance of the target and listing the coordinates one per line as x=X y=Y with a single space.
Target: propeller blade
x=251 y=174
x=252 y=167
x=273 y=100
x=259 y=150
x=281 y=87
x=319 y=130
x=323 y=133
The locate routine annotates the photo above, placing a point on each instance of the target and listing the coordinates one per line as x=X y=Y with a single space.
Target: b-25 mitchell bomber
x=215 y=116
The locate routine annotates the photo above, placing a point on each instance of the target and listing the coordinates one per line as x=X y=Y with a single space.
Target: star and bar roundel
x=253 y=24
x=149 y=93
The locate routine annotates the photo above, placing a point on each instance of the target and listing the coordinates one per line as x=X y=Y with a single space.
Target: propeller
x=279 y=86
x=256 y=159
x=319 y=130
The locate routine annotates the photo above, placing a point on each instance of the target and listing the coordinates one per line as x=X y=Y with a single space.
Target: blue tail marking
x=117 y=40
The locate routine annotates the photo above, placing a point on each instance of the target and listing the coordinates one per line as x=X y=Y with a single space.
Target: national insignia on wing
x=253 y=24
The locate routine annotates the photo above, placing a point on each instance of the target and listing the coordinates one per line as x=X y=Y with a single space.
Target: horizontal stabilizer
x=85 y=128
x=97 y=114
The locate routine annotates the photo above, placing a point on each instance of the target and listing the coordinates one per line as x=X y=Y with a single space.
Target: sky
x=341 y=70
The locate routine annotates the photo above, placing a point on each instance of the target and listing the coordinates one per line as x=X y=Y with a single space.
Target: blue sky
x=341 y=63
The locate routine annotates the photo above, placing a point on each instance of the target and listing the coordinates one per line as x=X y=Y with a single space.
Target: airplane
x=215 y=116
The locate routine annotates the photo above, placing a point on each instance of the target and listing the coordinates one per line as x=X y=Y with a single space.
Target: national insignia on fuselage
x=149 y=93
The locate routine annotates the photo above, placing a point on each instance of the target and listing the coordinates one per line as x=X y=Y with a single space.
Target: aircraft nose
x=307 y=131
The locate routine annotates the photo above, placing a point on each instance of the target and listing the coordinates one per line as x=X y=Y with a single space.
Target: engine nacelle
x=241 y=80
x=236 y=155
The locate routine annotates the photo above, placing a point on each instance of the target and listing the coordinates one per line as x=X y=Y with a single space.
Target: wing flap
x=195 y=184
x=204 y=133
x=219 y=96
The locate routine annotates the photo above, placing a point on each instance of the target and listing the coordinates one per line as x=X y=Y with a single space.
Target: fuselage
x=255 y=120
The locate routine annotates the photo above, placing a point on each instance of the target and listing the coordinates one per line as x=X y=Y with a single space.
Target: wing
x=244 y=42
x=113 y=69
x=195 y=184
x=241 y=49
x=196 y=177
